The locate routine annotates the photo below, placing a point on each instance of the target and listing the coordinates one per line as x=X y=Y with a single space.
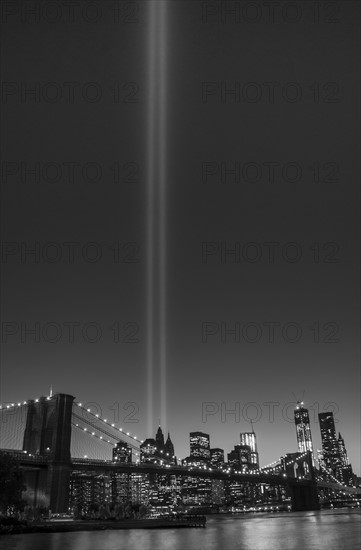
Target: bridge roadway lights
x=303 y=492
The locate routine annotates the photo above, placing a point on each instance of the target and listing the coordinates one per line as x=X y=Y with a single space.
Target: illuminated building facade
x=139 y=485
x=196 y=491
x=249 y=439
x=122 y=452
x=88 y=490
x=342 y=451
x=164 y=493
x=156 y=451
x=216 y=457
x=321 y=459
x=233 y=458
x=235 y=491
x=199 y=448
x=345 y=473
x=218 y=492
x=120 y=488
x=330 y=444
x=334 y=452
x=303 y=429
x=169 y=449
x=149 y=451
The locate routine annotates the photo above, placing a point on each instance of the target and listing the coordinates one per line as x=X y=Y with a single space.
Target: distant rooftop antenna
x=299 y=401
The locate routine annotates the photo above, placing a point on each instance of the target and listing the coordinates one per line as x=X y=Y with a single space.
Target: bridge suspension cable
x=107 y=423
x=87 y=443
x=12 y=426
x=93 y=429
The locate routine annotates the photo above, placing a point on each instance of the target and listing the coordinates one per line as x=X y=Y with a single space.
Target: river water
x=326 y=530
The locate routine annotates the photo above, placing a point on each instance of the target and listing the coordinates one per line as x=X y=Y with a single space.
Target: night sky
x=297 y=153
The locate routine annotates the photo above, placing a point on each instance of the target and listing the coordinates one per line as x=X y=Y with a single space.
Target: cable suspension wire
x=82 y=447
x=12 y=427
x=105 y=421
x=78 y=419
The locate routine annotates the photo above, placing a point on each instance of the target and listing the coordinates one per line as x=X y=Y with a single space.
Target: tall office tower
x=342 y=451
x=321 y=459
x=245 y=455
x=169 y=448
x=330 y=444
x=149 y=451
x=122 y=452
x=241 y=457
x=160 y=438
x=199 y=447
x=155 y=450
x=249 y=439
x=233 y=458
x=344 y=472
x=217 y=457
x=303 y=429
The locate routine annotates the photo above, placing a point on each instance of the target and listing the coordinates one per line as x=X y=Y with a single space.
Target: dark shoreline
x=57 y=526
x=100 y=525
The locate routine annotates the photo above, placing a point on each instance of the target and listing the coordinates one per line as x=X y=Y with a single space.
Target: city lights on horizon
x=303 y=433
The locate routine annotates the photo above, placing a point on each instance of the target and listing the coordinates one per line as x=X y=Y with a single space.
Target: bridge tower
x=48 y=434
x=302 y=486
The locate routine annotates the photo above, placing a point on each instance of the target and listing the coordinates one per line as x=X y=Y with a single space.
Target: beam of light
x=156 y=210
x=152 y=37
x=163 y=207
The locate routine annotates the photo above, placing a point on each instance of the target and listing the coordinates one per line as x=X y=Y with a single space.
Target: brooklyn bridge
x=60 y=444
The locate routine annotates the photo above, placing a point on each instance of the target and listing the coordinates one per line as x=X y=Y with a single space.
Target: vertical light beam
x=163 y=207
x=156 y=211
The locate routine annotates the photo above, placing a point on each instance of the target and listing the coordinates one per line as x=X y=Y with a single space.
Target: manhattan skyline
x=211 y=411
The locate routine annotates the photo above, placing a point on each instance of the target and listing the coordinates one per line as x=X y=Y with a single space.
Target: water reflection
x=327 y=530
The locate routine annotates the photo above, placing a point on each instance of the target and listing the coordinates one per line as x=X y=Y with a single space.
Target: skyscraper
x=249 y=439
x=159 y=438
x=241 y=458
x=169 y=448
x=233 y=458
x=330 y=443
x=155 y=450
x=122 y=452
x=149 y=451
x=217 y=457
x=342 y=451
x=344 y=472
x=303 y=429
x=245 y=455
x=321 y=459
x=199 y=447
